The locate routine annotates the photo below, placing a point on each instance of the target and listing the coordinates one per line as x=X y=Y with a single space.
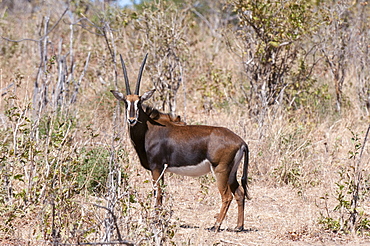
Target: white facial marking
x=194 y=170
x=136 y=108
x=132 y=111
x=128 y=109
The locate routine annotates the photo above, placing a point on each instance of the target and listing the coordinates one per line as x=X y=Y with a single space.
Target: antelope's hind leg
x=226 y=197
x=238 y=191
x=239 y=195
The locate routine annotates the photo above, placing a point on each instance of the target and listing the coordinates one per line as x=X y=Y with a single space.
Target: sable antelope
x=191 y=150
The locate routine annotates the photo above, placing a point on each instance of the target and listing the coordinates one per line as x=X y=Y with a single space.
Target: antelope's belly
x=194 y=170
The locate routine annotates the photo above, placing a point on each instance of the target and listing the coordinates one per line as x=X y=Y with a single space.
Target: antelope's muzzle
x=132 y=121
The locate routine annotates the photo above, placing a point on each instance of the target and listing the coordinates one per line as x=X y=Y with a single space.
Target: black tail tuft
x=244 y=179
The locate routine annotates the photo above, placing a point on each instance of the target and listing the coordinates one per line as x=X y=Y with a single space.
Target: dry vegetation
x=293 y=81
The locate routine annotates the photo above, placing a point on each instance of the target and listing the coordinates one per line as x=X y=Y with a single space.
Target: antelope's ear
x=147 y=95
x=118 y=95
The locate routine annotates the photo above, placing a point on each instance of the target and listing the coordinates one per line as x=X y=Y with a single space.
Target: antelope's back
x=190 y=144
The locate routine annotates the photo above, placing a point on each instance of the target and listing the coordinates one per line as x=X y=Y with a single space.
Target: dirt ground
x=274 y=216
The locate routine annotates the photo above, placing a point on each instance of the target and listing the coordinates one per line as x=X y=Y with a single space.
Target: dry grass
x=295 y=157
x=291 y=167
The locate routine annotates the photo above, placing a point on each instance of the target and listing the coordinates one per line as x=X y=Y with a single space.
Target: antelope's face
x=133 y=104
x=132 y=109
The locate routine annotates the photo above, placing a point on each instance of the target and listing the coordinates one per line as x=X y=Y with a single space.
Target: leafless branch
x=363 y=146
x=77 y=23
x=77 y=86
x=99 y=243
x=114 y=220
x=44 y=36
x=231 y=242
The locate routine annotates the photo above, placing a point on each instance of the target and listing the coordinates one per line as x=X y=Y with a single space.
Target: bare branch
x=363 y=146
x=85 y=26
x=43 y=37
x=77 y=86
x=114 y=219
x=99 y=243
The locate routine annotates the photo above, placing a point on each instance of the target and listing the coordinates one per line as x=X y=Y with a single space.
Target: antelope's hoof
x=215 y=228
x=238 y=228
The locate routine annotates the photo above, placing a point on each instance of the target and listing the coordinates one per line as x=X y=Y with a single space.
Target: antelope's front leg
x=157 y=178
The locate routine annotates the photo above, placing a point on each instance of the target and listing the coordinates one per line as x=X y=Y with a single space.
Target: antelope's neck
x=137 y=135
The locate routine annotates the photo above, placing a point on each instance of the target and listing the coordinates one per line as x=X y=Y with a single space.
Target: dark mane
x=156 y=115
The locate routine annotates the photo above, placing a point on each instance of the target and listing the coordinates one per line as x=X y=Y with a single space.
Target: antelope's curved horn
x=128 y=91
x=140 y=74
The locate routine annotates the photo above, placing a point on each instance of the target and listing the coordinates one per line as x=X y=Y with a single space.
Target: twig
x=4 y=91
x=76 y=23
x=105 y=34
x=99 y=243
x=155 y=184
x=114 y=219
x=363 y=146
x=43 y=37
x=77 y=86
x=235 y=243
x=113 y=183
x=356 y=183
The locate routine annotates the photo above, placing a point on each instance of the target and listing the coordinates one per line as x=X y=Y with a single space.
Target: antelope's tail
x=244 y=179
